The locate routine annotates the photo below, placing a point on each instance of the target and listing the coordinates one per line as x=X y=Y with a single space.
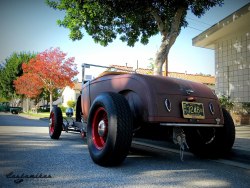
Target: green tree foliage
x=131 y=20
x=10 y=70
x=151 y=63
x=71 y=104
x=3 y=100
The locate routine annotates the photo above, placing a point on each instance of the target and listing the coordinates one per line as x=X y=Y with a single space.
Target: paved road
x=26 y=150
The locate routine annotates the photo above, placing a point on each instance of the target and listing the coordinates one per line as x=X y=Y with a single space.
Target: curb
x=33 y=117
x=28 y=116
x=44 y=119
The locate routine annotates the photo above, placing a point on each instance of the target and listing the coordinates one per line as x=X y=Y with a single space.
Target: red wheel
x=109 y=129
x=100 y=128
x=52 y=123
x=55 y=123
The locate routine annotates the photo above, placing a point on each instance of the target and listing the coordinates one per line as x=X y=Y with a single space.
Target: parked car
x=117 y=107
x=15 y=110
x=5 y=107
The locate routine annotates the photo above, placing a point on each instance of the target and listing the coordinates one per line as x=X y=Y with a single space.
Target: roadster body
x=157 y=99
x=116 y=107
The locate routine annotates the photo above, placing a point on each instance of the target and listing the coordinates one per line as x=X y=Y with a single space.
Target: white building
x=230 y=39
x=71 y=94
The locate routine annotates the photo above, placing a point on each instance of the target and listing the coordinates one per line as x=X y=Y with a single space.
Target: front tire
x=56 y=121
x=212 y=142
x=109 y=129
x=78 y=109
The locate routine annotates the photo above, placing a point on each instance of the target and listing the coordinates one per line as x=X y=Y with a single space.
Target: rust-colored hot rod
x=116 y=107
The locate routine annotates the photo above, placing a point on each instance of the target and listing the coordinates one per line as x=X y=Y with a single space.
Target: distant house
x=120 y=68
x=204 y=79
x=71 y=94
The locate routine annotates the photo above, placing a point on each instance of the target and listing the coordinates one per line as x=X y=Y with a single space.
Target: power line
x=199 y=21
x=195 y=28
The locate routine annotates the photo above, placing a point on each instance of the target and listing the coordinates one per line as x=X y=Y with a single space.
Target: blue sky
x=30 y=26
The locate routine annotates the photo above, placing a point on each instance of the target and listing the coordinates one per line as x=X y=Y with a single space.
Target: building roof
x=204 y=79
x=236 y=22
x=122 y=68
x=144 y=71
x=78 y=86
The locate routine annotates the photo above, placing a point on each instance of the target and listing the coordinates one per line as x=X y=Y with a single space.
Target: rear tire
x=14 y=111
x=56 y=122
x=109 y=129
x=212 y=142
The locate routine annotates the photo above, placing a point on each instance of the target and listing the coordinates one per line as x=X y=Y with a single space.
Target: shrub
x=246 y=107
x=71 y=104
x=63 y=108
x=226 y=103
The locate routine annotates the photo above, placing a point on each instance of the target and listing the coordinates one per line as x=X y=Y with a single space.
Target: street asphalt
x=242 y=141
x=240 y=155
x=27 y=151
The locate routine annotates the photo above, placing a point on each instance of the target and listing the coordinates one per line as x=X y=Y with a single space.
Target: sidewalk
x=242 y=141
x=241 y=149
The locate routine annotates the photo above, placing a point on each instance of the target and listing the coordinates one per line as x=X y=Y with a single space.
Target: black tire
x=14 y=111
x=78 y=109
x=212 y=142
x=109 y=129
x=56 y=121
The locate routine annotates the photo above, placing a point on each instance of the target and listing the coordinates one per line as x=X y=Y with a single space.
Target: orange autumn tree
x=29 y=85
x=49 y=70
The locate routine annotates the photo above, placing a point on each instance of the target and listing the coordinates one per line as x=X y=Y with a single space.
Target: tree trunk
x=162 y=56
x=166 y=67
x=27 y=103
x=51 y=100
x=157 y=68
x=168 y=37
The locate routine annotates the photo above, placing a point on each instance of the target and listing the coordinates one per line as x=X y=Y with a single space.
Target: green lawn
x=42 y=114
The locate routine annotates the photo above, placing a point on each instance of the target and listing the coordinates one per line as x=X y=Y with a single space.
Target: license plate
x=192 y=110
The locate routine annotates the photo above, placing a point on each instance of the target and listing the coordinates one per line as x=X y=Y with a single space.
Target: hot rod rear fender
x=132 y=88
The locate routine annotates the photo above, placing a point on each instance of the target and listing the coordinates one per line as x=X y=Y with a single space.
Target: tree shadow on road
x=7 y=119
